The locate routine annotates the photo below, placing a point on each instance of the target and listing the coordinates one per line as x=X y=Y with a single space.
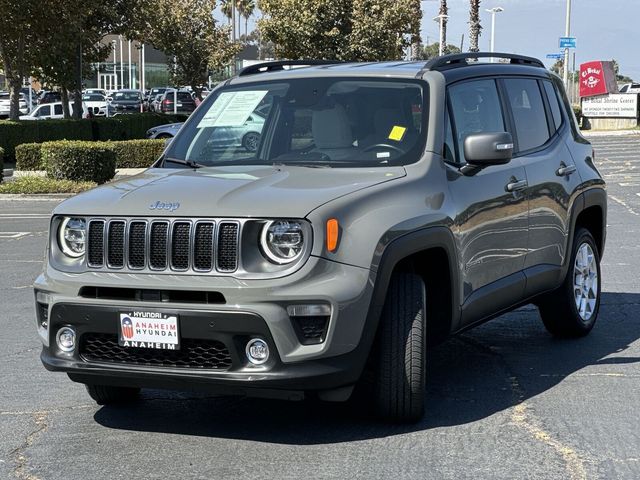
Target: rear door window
x=529 y=116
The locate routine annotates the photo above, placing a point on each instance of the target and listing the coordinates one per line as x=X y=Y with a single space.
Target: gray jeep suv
x=386 y=207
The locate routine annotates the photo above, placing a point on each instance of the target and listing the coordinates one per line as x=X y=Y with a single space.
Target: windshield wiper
x=179 y=161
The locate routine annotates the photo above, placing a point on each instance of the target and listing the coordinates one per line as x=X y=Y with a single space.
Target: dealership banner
x=597 y=78
x=621 y=105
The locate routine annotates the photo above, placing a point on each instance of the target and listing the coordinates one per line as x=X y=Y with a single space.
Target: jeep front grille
x=157 y=245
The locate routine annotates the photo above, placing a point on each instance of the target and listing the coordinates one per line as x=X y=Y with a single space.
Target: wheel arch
x=430 y=253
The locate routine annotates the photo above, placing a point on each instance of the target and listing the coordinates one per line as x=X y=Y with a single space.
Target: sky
x=605 y=29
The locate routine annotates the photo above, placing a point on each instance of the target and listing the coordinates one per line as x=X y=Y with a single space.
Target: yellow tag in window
x=397 y=133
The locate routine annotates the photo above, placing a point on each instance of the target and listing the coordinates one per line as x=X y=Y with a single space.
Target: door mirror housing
x=485 y=149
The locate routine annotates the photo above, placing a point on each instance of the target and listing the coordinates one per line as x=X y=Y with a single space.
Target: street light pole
x=493 y=12
x=567 y=32
x=441 y=19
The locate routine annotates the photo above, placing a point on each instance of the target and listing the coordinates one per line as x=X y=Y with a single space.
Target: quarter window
x=476 y=109
x=528 y=113
x=552 y=96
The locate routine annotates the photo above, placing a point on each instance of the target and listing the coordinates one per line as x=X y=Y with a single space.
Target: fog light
x=66 y=339
x=257 y=351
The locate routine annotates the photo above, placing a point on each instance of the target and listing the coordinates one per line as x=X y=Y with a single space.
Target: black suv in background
x=186 y=104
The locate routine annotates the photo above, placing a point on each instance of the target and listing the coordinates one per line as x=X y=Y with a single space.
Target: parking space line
x=13 y=235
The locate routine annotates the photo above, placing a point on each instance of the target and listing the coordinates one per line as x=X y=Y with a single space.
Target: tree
x=187 y=33
x=432 y=51
x=340 y=29
x=444 y=11
x=246 y=9
x=475 y=29
x=16 y=37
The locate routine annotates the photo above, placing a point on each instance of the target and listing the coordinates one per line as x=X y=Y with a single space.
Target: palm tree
x=226 y=6
x=246 y=9
x=444 y=10
x=474 y=25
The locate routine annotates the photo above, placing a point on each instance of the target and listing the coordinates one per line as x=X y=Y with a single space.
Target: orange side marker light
x=332 y=234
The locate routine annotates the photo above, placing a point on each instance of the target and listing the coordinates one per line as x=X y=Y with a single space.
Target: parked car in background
x=630 y=88
x=95 y=91
x=53 y=111
x=154 y=105
x=49 y=97
x=126 y=101
x=96 y=104
x=164 y=131
x=5 y=104
x=185 y=102
x=246 y=137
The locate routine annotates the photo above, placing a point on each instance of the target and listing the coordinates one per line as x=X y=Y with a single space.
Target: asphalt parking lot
x=506 y=400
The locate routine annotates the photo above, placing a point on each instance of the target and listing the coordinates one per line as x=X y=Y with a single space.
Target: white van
x=52 y=110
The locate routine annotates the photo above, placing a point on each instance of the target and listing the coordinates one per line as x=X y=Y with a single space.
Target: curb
x=36 y=196
x=609 y=133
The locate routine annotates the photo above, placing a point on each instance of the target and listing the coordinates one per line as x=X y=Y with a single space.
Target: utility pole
x=493 y=12
x=441 y=18
x=130 y=77
x=567 y=32
x=121 y=63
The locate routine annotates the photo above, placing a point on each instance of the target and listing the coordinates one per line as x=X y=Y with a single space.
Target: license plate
x=179 y=105
x=144 y=329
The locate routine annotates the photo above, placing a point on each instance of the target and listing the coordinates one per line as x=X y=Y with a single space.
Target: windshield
x=93 y=98
x=313 y=121
x=127 y=96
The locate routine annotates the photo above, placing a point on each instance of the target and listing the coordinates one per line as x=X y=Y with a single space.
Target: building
x=122 y=69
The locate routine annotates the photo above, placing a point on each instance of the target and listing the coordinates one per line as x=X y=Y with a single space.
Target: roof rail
x=460 y=59
x=280 y=64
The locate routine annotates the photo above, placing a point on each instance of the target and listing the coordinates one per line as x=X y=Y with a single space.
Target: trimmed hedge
x=1 y=163
x=129 y=153
x=120 y=127
x=136 y=153
x=29 y=156
x=79 y=161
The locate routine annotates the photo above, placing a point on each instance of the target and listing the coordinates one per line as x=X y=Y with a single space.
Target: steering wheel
x=384 y=145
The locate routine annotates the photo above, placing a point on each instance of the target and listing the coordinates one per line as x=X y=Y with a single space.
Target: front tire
x=251 y=141
x=399 y=363
x=571 y=310
x=107 y=395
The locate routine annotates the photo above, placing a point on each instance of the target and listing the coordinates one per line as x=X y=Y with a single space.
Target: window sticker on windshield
x=232 y=109
x=397 y=133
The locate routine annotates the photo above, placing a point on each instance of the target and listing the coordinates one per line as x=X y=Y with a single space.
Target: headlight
x=72 y=235
x=282 y=241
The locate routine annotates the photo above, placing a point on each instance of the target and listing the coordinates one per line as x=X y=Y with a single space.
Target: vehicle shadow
x=472 y=376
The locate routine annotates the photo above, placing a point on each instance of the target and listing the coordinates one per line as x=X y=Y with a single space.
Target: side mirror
x=484 y=149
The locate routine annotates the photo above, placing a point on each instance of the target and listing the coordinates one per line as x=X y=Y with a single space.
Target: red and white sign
x=149 y=330
x=597 y=78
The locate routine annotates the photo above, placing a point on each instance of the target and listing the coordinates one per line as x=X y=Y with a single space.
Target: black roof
x=454 y=67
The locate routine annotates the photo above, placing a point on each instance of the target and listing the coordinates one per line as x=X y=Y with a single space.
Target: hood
x=251 y=191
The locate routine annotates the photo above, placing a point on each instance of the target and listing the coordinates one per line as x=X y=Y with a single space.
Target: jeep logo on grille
x=164 y=206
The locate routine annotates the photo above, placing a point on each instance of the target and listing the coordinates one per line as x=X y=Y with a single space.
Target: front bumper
x=255 y=308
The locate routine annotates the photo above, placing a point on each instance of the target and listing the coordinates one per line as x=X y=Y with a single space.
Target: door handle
x=565 y=171
x=517 y=185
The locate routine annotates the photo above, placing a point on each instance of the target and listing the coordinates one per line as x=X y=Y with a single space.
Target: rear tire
x=107 y=395
x=399 y=355
x=571 y=310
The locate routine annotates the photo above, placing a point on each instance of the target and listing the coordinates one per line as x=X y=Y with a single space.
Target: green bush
x=79 y=161
x=120 y=127
x=31 y=185
x=136 y=153
x=1 y=163
x=577 y=111
x=129 y=153
x=29 y=156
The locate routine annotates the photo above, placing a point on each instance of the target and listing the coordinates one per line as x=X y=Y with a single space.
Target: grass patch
x=31 y=185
